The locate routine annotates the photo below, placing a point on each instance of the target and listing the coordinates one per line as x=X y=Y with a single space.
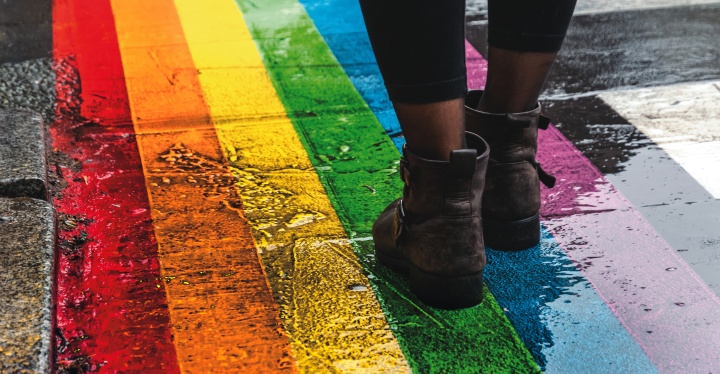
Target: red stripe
x=112 y=308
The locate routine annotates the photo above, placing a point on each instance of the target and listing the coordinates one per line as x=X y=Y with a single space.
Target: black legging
x=420 y=44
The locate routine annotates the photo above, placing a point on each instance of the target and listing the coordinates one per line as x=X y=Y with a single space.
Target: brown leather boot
x=511 y=200
x=434 y=232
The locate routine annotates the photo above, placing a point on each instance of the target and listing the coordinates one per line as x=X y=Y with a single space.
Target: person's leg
x=434 y=232
x=420 y=49
x=524 y=37
x=515 y=80
x=433 y=130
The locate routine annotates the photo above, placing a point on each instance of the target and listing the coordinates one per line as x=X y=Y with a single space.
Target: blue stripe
x=566 y=326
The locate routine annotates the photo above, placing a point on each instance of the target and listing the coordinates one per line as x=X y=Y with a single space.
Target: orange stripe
x=222 y=311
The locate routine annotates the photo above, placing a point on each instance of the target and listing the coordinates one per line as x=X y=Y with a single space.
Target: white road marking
x=479 y=7
x=602 y=6
x=683 y=119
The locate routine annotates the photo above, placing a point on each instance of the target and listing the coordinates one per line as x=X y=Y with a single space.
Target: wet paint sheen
x=111 y=302
x=223 y=314
x=357 y=163
x=329 y=311
x=656 y=295
x=552 y=302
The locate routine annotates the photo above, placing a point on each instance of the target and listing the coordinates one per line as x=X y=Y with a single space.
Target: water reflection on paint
x=532 y=286
x=602 y=135
x=557 y=312
x=105 y=237
x=655 y=184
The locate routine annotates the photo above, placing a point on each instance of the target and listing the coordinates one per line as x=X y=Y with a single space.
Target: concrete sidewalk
x=27 y=238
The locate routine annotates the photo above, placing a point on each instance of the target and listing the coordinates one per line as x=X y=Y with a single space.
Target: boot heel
x=512 y=235
x=446 y=292
x=398 y=265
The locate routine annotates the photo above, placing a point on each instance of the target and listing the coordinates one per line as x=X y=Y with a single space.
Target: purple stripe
x=661 y=301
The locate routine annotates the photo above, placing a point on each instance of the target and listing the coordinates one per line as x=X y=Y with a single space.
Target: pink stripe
x=656 y=295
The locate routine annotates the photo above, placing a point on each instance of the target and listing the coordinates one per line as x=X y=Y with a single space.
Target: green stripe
x=357 y=164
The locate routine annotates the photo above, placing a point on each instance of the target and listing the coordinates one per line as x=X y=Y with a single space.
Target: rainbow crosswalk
x=252 y=145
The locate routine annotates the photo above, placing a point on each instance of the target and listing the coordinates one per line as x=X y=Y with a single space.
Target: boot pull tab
x=546 y=179
x=463 y=162
x=543 y=122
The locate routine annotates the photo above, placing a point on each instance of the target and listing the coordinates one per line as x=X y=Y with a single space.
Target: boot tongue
x=463 y=162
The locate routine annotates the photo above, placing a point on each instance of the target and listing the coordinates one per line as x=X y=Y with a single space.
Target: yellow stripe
x=327 y=306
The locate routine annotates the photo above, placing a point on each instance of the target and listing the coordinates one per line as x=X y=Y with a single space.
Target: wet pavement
x=216 y=170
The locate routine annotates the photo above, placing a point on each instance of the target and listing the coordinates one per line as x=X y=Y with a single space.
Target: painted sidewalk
x=220 y=165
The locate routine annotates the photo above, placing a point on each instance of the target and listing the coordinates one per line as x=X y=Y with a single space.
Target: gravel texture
x=28 y=85
x=27 y=235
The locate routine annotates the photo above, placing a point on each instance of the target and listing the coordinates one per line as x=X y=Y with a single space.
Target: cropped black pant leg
x=420 y=44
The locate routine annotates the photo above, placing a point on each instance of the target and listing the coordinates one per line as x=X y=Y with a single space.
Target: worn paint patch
x=223 y=314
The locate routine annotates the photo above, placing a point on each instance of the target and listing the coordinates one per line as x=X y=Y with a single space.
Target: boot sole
x=512 y=236
x=435 y=290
